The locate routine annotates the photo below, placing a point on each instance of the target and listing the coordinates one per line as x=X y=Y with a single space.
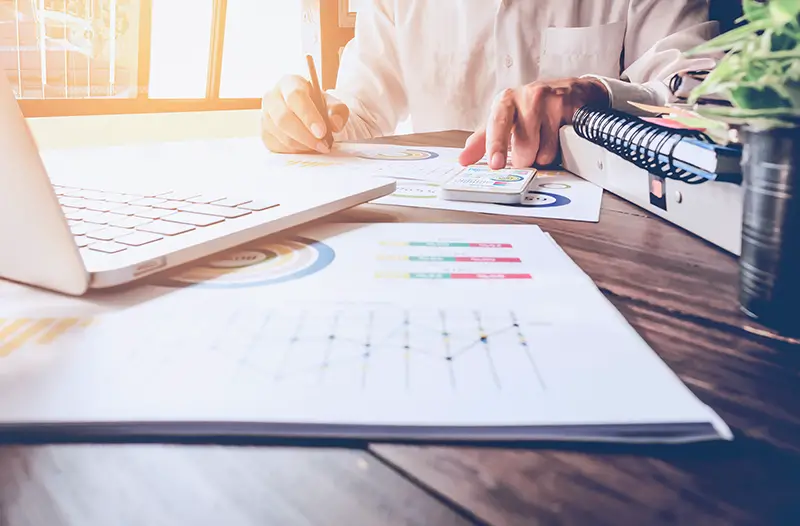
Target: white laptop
x=66 y=234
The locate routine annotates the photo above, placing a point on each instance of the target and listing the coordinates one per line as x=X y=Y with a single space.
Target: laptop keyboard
x=112 y=222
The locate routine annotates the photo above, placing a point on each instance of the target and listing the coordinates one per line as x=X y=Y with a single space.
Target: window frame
x=142 y=103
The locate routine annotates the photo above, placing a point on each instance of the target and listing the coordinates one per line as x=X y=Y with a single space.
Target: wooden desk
x=675 y=289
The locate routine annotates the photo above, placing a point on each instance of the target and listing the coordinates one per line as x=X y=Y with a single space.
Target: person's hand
x=528 y=119
x=290 y=121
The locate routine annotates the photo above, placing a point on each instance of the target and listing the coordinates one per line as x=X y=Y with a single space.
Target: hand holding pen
x=298 y=117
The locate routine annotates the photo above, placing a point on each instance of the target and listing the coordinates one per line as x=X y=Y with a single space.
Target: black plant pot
x=769 y=284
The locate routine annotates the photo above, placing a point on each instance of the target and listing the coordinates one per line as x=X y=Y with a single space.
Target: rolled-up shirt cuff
x=621 y=93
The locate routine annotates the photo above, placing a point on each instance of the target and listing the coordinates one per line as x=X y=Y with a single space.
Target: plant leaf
x=725 y=41
x=783 y=12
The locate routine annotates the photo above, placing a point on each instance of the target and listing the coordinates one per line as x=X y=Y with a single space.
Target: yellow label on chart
x=16 y=333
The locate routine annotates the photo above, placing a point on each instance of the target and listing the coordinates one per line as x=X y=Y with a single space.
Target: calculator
x=481 y=184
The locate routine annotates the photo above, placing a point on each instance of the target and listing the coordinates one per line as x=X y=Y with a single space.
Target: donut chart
x=545 y=199
x=536 y=199
x=408 y=154
x=258 y=265
x=555 y=186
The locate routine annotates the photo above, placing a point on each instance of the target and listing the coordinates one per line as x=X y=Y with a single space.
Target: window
x=263 y=42
x=69 y=57
x=70 y=48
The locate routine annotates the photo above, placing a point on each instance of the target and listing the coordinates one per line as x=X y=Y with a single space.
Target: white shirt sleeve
x=370 y=81
x=658 y=32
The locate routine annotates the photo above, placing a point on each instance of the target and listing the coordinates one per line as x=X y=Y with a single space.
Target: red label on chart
x=491 y=276
x=490 y=245
x=467 y=259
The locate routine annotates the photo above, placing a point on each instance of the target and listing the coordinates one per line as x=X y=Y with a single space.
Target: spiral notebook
x=684 y=154
x=680 y=175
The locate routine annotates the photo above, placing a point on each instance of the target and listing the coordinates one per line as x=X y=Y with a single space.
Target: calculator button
x=164 y=228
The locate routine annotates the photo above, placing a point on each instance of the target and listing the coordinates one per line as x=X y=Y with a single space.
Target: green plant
x=760 y=71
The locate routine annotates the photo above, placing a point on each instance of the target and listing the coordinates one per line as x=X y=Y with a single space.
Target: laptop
x=68 y=233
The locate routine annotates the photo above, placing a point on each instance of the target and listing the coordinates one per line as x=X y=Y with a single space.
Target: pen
x=319 y=99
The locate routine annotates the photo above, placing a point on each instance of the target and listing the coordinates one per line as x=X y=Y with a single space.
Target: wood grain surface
x=676 y=290
x=213 y=486
x=754 y=480
x=679 y=293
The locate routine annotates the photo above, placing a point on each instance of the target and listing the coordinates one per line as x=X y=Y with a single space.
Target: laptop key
x=153 y=213
x=81 y=229
x=107 y=247
x=82 y=241
x=127 y=221
x=258 y=205
x=170 y=205
x=108 y=234
x=148 y=201
x=164 y=228
x=180 y=196
x=205 y=199
x=214 y=210
x=229 y=201
x=73 y=214
x=100 y=206
x=188 y=218
x=138 y=239
x=98 y=218
x=119 y=198
x=72 y=202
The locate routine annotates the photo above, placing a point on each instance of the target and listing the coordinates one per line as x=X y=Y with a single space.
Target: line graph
x=362 y=346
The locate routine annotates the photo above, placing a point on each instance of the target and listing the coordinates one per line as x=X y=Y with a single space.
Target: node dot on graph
x=516 y=325
x=332 y=337
x=367 y=345
x=449 y=358
x=484 y=338
x=406 y=347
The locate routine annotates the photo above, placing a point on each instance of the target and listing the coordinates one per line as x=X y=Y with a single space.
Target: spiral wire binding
x=637 y=141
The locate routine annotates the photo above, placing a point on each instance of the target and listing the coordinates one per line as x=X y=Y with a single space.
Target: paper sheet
x=432 y=329
x=418 y=171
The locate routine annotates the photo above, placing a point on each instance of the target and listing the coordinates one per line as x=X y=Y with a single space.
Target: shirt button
x=509 y=61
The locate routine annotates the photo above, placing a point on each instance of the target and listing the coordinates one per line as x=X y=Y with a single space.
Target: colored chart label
x=456 y=259
x=444 y=244
x=448 y=275
x=15 y=333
